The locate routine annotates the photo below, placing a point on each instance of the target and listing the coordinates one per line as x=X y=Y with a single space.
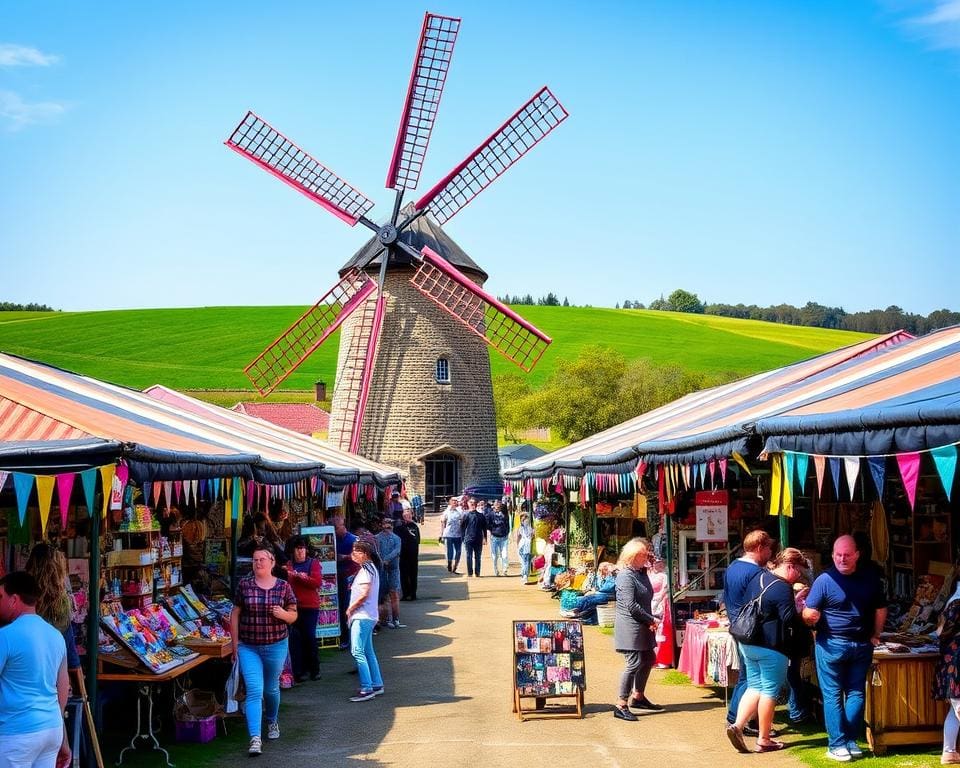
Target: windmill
x=427 y=292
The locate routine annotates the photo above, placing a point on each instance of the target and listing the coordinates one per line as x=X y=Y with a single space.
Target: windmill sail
x=494 y=322
x=430 y=67
x=354 y=371
x=511 y=141
x=263 y=144
x=299 y=341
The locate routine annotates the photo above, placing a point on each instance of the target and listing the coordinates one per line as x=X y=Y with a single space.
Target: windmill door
x=442 y=472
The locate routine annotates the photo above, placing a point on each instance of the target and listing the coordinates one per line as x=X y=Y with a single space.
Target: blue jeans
x=361 y=648
x=589 y=602
x=498 y=553
x=525 y=566
x=842 y=667
x=738 y=688
x=454 y=543
x=798 y=702
x=474 y=550
x=261 y=666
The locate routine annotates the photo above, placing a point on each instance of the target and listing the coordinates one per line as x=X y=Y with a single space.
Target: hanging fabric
x=945 y=459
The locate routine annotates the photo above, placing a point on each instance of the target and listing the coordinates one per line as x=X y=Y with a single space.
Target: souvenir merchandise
x=549 y=657
x=148 y=647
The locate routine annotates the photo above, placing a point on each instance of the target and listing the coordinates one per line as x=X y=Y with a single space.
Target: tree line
x=811 y=314
x=10 y=306
x=550 y=300
x=597 y=390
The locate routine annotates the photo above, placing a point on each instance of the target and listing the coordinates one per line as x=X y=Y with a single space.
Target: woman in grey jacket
x=634 y=629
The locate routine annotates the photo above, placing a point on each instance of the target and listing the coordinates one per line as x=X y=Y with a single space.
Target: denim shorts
x=766 y=669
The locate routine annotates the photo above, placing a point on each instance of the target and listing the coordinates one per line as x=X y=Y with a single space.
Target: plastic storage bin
x=198 y=731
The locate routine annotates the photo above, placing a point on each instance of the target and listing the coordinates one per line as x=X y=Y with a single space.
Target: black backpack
x=747 y=627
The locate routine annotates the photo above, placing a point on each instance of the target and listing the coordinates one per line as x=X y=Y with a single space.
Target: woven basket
x=605 y=614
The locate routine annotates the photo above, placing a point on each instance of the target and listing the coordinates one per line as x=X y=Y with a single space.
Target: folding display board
x=548 y=662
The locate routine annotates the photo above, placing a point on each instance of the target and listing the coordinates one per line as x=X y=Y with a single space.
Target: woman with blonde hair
x=634 y=629
x=48 y=566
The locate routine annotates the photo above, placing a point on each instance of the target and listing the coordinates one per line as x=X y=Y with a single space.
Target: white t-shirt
x=368 y=608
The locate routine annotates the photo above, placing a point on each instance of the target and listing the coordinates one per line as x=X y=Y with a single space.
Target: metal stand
x=145 y=694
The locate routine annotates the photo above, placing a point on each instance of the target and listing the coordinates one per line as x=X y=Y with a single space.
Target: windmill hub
x=388 y=234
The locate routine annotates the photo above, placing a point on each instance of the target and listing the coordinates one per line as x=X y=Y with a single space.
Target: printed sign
x=711 y=513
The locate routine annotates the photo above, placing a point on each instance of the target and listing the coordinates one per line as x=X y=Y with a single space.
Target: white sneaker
x=854 y=750
x=397 y=625
x=840 y=754
x=256 y=747
x=273 y=730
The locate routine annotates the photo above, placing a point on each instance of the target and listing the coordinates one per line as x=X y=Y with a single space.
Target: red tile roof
x=305 y=418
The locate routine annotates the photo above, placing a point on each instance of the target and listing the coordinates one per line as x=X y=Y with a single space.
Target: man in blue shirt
x=33 y=680
x=848 y=609
x=758 y=549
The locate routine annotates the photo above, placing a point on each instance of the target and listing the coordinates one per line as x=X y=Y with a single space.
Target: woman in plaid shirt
x=263 y=608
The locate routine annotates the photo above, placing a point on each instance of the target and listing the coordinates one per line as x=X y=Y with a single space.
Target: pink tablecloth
x=693 y=654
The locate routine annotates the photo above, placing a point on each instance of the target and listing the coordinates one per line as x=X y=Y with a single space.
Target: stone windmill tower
x=413 y=374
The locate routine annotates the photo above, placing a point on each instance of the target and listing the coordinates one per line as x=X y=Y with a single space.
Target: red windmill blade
x=258 y=141
x=525 y=129
x=491 y=320
x=310 y=330
x=430 y=67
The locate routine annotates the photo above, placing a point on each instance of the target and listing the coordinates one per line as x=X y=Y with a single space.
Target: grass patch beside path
x=673 y=677
x=809 y=745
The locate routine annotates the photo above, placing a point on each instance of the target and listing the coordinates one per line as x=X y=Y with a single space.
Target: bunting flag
x=787 y=495
x=3 y=479
x=713 y=473
x=45 y=485
x=237 y=497
x=168 y=499
x=789 y=467
x=64 y=491
x=834 y=463
x=216 y=488
x=146 y=490
x=723 y=472
x=88 y=478
x=945 y=458
x=802 y=464
x=851 y=468
x=819 y=465
x=878 y=472
x=251 y=494
x=776 y=483
x=739 y=459
x=909 y=464
x=23 y=485
x=705 y=476
x=194 y=484
x=107 y=473
x=123 y=474
x=157 y=487
x=178 y=490
x=227 y=503
x=696 y=476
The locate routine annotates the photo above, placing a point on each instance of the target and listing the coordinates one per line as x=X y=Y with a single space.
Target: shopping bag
x=235 y=690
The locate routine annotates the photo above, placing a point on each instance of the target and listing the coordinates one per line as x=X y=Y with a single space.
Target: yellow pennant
x=45 y=485
x=776 y=483
x=739 y=459
x=107 y=473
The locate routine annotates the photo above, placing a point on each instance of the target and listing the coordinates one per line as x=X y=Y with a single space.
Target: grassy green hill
x=207 y=348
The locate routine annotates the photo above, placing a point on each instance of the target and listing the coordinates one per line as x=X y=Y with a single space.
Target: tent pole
x=93 y=612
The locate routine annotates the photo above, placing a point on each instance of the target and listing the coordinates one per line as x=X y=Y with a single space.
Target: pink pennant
x=157 y=487
x=168 y=500
x=909 y=464
x=178 y=489
x=123 y=473
x=64 y=489
x=713 y=473
x=723 y=472
x=819 y=466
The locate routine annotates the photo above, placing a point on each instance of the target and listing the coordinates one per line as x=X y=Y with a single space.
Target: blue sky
x=757 y=152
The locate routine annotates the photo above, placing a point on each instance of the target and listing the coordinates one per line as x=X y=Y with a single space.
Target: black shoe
x=806 y=717
x=624 y=713
x=646 y=705
x=751 y=730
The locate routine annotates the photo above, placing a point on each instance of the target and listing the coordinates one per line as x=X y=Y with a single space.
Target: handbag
x=747 y=627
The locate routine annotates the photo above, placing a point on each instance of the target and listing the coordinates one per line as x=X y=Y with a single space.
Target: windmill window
x=443 y=370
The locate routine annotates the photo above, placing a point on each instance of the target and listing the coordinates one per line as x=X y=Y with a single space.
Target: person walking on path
x=304 y=576
x=499 y=528
x=388 y=547
x=451 y=533
x=758 y=548
x=264 y=607
x=847 y=608
x=768 y=657
x=409 y=533
x=362 y=613
x=525 y=547
x=946 y=676
x=474 y=537
x=34 y=685
x=634 y=626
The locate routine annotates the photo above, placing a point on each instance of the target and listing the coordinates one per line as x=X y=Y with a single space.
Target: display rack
x=702 y=565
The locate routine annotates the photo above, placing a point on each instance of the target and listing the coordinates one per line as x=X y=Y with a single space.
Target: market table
x=899 y=707
x=145 y=682
x=708 y=653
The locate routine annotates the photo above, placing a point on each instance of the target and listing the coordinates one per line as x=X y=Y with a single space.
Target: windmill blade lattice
x=494 y=322
x=263 y=144
x=430 y=67
x=517 y=136
x=299 y=341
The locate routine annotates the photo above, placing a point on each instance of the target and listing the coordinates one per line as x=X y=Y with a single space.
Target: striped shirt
x=257 y=624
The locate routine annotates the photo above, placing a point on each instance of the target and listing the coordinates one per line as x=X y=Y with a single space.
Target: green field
x=207 y=348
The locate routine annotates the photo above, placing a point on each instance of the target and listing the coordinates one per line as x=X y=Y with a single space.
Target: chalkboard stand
x=540 y=705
